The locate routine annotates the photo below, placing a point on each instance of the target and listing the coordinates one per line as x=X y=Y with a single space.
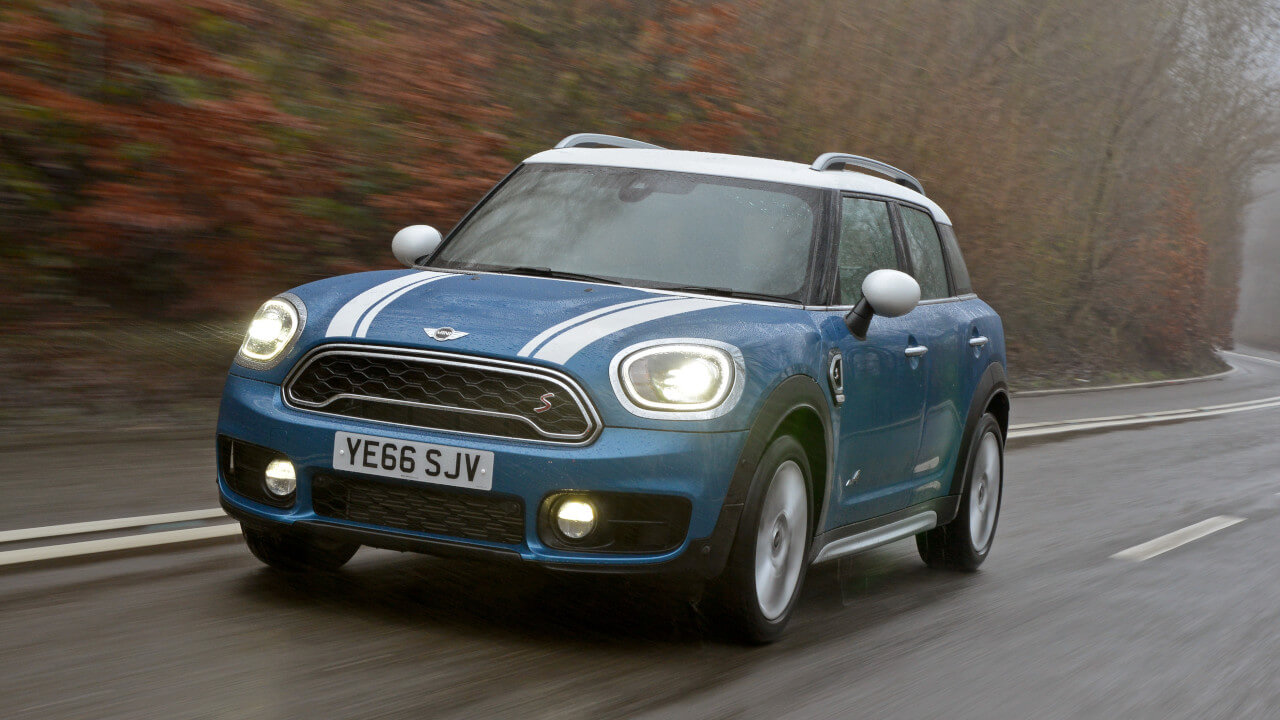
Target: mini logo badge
x=444 y=333
x=546 y=403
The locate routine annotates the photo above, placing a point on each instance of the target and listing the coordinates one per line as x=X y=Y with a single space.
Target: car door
x=940 y=323
x=878 y=425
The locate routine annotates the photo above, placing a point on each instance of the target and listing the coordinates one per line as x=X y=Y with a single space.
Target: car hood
x=574 y=326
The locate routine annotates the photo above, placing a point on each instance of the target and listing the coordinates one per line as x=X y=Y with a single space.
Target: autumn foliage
x=164 y=159
x=1161 y=278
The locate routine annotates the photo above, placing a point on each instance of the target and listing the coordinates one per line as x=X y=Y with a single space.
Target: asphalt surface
x=1051 y=627
x=1253 y=376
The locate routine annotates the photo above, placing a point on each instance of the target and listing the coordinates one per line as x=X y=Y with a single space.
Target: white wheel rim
x=780 y=540
x=984 y=491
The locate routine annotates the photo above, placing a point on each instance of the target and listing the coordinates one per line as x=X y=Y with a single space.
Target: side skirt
x=884 y=529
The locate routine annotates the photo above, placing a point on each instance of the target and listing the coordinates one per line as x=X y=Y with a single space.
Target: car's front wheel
x=963 y=543
x=761 y=582
x=295 y=553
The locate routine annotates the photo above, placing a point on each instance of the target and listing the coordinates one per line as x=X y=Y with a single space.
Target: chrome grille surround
x=341 y=403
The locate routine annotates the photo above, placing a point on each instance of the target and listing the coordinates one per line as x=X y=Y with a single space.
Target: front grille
x=443 y=392
x=420 y=508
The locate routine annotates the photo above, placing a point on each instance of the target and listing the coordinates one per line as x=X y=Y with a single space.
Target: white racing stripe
x=82 y=528
x=1178 y=538
x=546 y=334
x=348 y=316
x=564 y=346
x=363 y=329
x=128 y=542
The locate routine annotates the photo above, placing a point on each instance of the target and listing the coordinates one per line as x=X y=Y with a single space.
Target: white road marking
x=1140 y=552
x=1269 y=361
x=1178 y=538
x=1127 y=386
x=128 y=542
x=81 y=528
x=1149 y=383
x=1057 y=427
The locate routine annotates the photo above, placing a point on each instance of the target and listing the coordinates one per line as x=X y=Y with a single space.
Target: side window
x=959 y=271
x=866 y=244
x=926 y=253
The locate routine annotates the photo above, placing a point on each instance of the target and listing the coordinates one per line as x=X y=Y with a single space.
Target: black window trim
x=900 y=243
x=946 y=258
x=833 y=253
x=946 y=264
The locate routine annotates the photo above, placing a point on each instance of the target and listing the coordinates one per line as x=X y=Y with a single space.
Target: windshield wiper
x=558 y=274
x=729 y=292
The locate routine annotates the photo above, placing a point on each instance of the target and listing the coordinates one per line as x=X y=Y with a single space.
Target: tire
x=964 y=543
x=295 y=553
x=761 y=582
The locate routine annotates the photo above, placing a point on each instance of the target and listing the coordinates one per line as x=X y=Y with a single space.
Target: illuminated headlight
x=679 y=378
x=270 y=332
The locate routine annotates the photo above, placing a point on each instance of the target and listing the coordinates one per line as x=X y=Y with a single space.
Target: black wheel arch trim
x=798 y=392
x=991 y=385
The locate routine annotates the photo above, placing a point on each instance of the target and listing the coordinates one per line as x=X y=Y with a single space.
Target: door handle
x=915 y=350
x=978 y=341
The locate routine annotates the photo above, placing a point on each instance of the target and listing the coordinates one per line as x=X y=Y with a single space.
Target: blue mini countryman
x=632 y=359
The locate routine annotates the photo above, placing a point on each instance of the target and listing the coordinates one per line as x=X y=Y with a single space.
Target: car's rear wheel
x=761 y=582
x=295 y=553
x=963 y=543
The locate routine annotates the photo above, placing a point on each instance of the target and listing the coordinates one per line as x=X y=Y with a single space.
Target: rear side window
x=959 y=271
x=866 y=244
x=926 y=253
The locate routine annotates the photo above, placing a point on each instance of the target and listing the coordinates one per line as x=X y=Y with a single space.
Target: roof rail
x=595 y=140
x=837 y=161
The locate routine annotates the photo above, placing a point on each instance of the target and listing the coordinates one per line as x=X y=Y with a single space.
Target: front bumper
x=693 y=466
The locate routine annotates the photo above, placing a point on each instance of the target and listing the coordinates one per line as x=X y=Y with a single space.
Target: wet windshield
x=644 y=227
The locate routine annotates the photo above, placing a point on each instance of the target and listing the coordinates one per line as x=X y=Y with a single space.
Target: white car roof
x=738 y=166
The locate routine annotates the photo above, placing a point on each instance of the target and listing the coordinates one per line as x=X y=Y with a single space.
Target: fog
x=1256 y=320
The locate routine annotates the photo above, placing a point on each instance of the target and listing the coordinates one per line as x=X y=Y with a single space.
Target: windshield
x=644 y=227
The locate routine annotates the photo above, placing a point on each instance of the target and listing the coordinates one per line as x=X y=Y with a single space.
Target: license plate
x=408 y=460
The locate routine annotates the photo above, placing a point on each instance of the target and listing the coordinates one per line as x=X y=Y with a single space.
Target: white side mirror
x=891 y=293
x=414 y=243
x=884 y=292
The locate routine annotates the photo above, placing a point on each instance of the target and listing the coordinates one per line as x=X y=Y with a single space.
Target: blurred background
x=1113 y=171
x=166 y=166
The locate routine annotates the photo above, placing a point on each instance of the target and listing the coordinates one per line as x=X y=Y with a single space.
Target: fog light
x=575 y=519
x=281 y=479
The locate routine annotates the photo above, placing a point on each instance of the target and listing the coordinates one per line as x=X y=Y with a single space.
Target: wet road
x=1052 y=627
x=1252 y=377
